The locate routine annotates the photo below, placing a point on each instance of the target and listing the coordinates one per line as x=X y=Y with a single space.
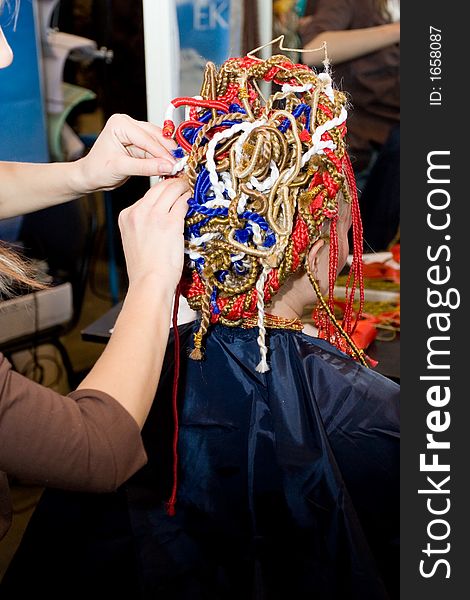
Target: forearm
x=27 y=187
x=352 y=43
x=129 y=368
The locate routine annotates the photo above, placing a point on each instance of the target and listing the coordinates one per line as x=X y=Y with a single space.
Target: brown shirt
x=84 y=441
x=372 y=81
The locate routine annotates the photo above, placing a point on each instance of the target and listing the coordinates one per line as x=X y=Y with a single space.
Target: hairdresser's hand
x=152 y=235
x=125 y=147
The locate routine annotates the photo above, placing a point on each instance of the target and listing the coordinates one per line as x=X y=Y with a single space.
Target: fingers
x=167 y=193
x=166 y=196
x=144 y=167
x=128 y=131
x=163 y=195
x=180 y=207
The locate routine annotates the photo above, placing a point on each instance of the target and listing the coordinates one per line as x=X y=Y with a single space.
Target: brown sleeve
x=325 y=15
x=85 y=441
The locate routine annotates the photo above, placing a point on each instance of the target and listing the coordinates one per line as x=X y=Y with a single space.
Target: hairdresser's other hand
x=152 y=235
x=125 y=147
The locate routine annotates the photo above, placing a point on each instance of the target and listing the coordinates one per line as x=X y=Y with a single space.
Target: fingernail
x=164 y=167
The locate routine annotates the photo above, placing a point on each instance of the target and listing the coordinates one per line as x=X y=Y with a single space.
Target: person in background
x=90 y=439
x=362 y=39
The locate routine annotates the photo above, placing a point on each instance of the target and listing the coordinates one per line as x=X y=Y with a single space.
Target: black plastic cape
x=288 y=482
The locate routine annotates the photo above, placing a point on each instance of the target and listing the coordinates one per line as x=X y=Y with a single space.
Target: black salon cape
x=287 y=485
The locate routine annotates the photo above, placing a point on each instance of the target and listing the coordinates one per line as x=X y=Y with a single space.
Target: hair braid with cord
x=266 y=179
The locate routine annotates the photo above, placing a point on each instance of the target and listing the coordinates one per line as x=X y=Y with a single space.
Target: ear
x=312 y=255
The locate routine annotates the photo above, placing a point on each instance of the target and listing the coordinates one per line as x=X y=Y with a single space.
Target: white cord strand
x=263 y=366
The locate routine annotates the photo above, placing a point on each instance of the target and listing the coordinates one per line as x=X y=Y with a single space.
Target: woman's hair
x=15 y=272
x=266 y=177
x=388 y=8
x=13 y=6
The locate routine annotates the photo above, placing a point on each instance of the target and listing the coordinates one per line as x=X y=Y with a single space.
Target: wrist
x=150 y=302
x=79 y=178
x=152 y=287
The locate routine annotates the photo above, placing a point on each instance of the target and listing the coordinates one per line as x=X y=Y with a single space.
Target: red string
x=328 y=112
x=332 y=272
x=186 y=101
x=170 y=507
x=182 y=141
x=356 y=266
x=230 y=94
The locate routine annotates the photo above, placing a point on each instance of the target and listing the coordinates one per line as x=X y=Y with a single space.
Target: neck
x=286 y=307
x=290 y=301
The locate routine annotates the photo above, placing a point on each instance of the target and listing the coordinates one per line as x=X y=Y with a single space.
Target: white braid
x=217 y=203
x=179 y=166
x=267 y=183
x=227 y=179
x=318 y=145
x=263 y=366
x=286 y=88
x=242 y=203
x=257 y=237
x=325 y=78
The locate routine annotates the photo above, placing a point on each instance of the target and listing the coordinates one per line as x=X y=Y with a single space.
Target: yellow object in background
x=281 y=7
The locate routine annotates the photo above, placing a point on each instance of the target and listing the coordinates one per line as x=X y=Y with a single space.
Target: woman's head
x=267 y=179
x=6 y=54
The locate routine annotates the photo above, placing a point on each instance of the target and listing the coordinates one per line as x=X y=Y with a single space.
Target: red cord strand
x=170 y=507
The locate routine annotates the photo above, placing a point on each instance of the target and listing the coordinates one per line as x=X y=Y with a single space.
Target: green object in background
x=73 y=96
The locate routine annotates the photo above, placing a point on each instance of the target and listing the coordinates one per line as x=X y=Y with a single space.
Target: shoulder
x=319 y=355
x=346 y=391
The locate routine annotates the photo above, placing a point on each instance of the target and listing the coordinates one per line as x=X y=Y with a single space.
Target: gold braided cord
x=358 y=353
x=272 y=190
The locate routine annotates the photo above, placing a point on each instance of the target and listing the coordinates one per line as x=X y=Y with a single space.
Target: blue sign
x=204 y=28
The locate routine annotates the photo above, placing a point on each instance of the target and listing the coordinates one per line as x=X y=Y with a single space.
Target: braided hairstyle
x=266 y=178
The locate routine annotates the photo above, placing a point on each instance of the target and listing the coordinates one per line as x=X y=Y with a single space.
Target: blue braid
x=203 y=210
x=199 y=263
x=229 y=123
x=202 y=185
x=256 y=218
x=298 y=110
x=213 y=301
x=221 y=275
x=308 y=114
x=236 y=108
x=208 y=115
